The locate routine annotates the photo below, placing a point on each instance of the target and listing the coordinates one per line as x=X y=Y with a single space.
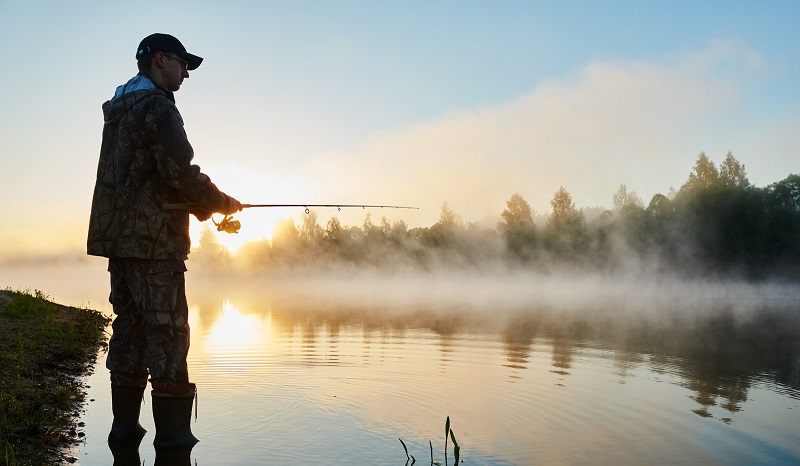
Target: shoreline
x=47 y=350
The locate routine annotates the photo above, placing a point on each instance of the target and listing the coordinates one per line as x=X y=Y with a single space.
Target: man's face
x=174 y=71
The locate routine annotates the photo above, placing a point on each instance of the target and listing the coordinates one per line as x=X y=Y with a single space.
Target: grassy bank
x=44 y=350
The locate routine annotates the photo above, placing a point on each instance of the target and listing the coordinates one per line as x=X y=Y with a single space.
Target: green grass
x=44 y=348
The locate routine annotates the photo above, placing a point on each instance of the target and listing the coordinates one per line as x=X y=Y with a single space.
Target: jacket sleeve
x=173 y=157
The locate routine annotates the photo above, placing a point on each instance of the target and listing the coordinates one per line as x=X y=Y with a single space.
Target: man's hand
x=232 y=207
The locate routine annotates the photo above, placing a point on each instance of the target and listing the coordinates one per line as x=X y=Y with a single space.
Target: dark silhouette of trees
x=443 y=233
x=732 y=173
x=729 y=226
x=786 y=193
x=518 y=228
x=565 y=236
x=782 y=231
x=717 y=223
x=705 y=174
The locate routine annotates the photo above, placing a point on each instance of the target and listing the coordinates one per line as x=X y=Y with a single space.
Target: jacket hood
x=129 y=94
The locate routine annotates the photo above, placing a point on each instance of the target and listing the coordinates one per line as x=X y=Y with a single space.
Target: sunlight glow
x=194 y=317
x=234 y=329
x=254 y=187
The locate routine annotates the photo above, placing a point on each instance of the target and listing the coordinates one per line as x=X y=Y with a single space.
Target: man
x=145 y=162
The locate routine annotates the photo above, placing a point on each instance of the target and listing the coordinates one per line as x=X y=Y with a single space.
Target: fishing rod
x=229 y=225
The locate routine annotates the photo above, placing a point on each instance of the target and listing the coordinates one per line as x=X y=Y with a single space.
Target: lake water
x=544 y=371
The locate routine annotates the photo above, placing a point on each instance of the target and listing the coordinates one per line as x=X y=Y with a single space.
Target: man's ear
x=158 y=60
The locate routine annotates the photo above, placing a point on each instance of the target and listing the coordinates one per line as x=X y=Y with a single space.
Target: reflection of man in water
x=145 y=161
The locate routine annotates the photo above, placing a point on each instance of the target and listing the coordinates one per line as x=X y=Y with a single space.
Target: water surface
x=329 y=377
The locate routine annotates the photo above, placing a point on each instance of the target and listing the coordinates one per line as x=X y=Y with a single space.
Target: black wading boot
x=125 y=405
x=172 y=456
x=126 y=453
x=172 y=415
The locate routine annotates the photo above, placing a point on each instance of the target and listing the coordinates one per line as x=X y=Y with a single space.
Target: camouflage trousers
x=150 y=332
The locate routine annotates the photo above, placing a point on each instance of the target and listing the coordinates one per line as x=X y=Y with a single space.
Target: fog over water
x=533 y=367
x=476 y=293
x=740 y=321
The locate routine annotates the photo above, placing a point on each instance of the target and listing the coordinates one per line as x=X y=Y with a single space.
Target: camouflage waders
x=146 y=161
x=151 y=328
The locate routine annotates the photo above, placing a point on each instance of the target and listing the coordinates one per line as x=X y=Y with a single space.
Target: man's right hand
x=232 y=207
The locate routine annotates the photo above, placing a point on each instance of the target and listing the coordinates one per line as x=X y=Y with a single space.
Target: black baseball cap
x=166 y=43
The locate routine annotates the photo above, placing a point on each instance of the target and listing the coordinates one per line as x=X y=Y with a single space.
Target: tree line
x=717 y=223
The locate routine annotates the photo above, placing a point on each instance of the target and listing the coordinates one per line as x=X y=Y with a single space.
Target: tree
x=310 y=232
x=367 y=224
x=334 y=233
x=787 y=193
x=566 y=229
x=660 y=206
x=518 y=227
x=447 y=218
x=443 y=233
x=564 y=212
x=386 y=227
x=623 y=199
x=705 y=173
x=732 y=173
x=784 y=221
x=399 y=228
x=672 y=193
x=518 y=213
x=371 y=231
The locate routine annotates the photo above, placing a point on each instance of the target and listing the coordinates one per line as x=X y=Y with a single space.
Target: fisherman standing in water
x=145 y=162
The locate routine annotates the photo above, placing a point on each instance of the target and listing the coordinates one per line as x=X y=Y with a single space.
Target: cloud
x=613 y=122
x=636 y=122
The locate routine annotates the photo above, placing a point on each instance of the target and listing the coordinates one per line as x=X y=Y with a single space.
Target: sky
x=404 y=103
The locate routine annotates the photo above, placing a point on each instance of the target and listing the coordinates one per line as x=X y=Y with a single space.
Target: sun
x=256 y=226
x=253 y=187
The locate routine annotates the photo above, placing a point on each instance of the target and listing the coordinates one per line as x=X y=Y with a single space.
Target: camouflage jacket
x=145 y=161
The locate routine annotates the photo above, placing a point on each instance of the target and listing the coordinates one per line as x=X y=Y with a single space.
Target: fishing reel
x=228 y=224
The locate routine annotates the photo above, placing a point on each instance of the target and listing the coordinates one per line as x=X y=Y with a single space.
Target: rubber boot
x=126 y=453
x=172 y=456
x=172 y=415
x=126 y=402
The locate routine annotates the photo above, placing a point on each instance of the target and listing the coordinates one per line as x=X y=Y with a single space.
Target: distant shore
x=46 y=349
